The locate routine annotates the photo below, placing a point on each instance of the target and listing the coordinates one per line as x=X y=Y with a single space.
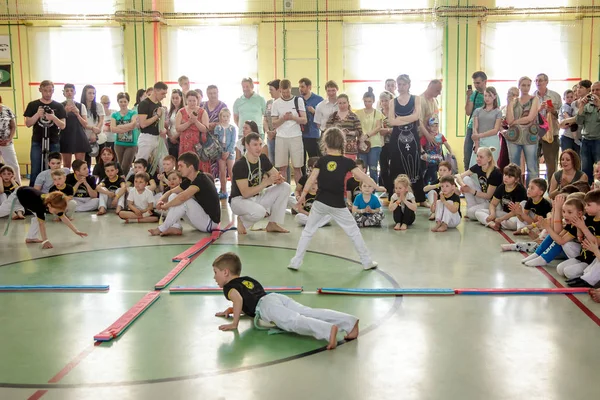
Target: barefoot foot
x=172 y=232
x=403 y=227
x=436 y=227
x=152 y=232
x=332 y=338
x=273 y=227
x=101 y=211
x=432 y=217
x=443 y=227
x=595 y=295
x=241 y=229
x=353 y=334
x=397 y=227
x=33 y=241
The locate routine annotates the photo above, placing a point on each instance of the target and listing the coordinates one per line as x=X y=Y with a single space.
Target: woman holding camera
x=191 y=123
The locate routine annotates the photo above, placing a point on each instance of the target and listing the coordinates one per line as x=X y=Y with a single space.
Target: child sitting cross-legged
x=249 y=297
x=402 y=203
x=433 y=189
x=447 y=210
x=510 y=192
x=536 y=207
x=367 y=207
x=111 y=189
x=60 y=178
x=140 y=201
x=303 y=212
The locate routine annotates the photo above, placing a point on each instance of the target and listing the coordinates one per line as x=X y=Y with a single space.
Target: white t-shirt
x=409 y=196
x=323 y=112
x=289 y=129
x=140 y=200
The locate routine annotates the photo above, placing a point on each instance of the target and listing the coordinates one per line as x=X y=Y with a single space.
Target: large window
x=368 y=60
x=79 y=6
x=80 y=56
x=508 y=53
x=212 y=55
x=393 y=4
x=532 y=3
x=209 y=6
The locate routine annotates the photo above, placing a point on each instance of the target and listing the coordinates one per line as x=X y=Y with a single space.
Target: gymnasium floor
x=468 y=347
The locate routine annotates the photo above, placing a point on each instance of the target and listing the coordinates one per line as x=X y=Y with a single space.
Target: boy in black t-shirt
x=447 y=209
x=150 y=115
x=535 y=208
x=433 y=189
x=112 y=187
x=84 y=187
x=330 y=173
x=509 y=193
x=277 y=310
x=59 y=179
x=196 y=199
x=258 y=190
x=303 y=212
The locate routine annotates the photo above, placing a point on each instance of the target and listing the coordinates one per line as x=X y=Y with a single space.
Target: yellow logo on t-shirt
x=331 y=166
x=248 y=284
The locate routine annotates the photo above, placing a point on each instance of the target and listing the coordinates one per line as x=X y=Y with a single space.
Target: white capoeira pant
x=592 y=273
x=344 y=219
x=510 y=224
x=106 y=202
x=442 y=214
x=271 y=202
x=146 y=145
x=192 y=212
x=572 y=268
x=474 y=203
x=292 y=316
x=6 y=204
x=302 y=219
x=86 y=204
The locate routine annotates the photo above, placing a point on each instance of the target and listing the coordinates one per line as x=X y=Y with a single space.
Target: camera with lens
x=48 y=110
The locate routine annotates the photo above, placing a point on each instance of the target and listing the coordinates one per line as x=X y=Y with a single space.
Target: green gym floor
x=457 y=347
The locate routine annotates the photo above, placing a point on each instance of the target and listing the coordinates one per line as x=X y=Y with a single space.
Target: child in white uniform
x=140 y=201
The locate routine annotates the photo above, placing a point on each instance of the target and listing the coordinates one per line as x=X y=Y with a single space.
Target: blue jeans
x=468 y=148
x=35 y=157
x=531 y=158
x=568 y=143
x=371 y=159
x=590 y=154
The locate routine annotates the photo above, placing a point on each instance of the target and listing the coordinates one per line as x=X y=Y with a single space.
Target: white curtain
x=78 y=55
x=367 y=56
x=212 y=55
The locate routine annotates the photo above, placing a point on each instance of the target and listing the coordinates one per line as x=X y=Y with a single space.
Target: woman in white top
x=8 y=128
x=95 y=118
x=371 y=122
x=110 y=136
x=172 y=134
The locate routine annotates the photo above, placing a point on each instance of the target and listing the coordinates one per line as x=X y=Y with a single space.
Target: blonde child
x=433 y=190
x=367 y=207
x=59 y=179
x=330 y=173
x=480 y=181
x=248 y=296
x=303 y=212
x=402 y=203
x=447 y=210
x=9 y=194
x=169 y=164
x=111 y=189
x=596 y=184
x=140 y=201
x=226 y=134
x=502 y=212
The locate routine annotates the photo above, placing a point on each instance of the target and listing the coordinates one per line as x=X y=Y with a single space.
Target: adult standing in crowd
x=47 y=118
x=390 y=86
x=184 y=84
x=429 y=108
x=474 y=101
x=8 y=129
x=73 y=139
x=487 y=122
x=328 y=106
x=550 y=103
x=191 y=123
x=520 y=116
x=150 y=111
x=370 y=121
x=172 y=134
x=588 y=116
x=348 y=122
x=95 y=120
x=139 y=97
x=110 y=136
x=405 y=147
x=386 y=129
x=124 y=124
x=571 y=139
x=250 y=106
x=310 y=133
x=275 y=93
x=213 y=107
x=288 y=114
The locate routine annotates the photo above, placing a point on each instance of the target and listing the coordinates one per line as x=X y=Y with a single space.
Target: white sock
x=536 y=262
x=529 y=258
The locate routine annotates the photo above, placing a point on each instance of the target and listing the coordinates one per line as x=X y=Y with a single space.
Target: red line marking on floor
x=37 y=395
x=556 y=283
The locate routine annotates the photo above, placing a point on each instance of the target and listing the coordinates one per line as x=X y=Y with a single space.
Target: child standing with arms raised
x=330 y=172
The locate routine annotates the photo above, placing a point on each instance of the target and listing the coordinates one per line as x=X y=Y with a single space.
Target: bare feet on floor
x=432 y=217
x=353 y=334
x=18 y=215
x=241 y=229
x=101 y=211
x=273 y=227
x=172 y=232
x=595 y=294
x=332 y=338
x=403 y=227
x=443 y=227
x=436 y=227
x=397 y=227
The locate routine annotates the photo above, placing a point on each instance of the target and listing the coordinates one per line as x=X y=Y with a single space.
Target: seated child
x=249 y=297
x=591 y=274
x=367 y=208
x=59 y=178
x=9 y=194
x=44 y=180
x=353 y=185
x=139 y=165
x=402 y=203
x=510 y=192
x=140 y=201
x=535 y=208
x=111 y=189
x=84 y=187
x=433 y=189
x=303 y=212
x=169 y=164
x=596 y=184
x=432 y=153
x=447 y=210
